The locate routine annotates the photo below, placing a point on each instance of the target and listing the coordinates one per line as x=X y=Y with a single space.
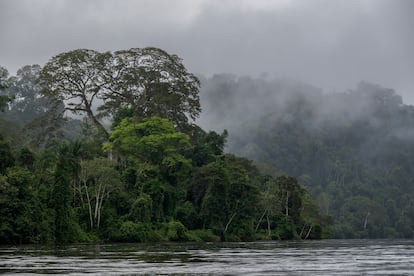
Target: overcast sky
x=332 y=44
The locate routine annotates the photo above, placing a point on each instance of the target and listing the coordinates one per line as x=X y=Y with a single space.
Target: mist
x=274 y=120
x=329 y=44
x=318 y=90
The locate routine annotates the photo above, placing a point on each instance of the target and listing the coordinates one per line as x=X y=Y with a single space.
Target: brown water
x=327 y=257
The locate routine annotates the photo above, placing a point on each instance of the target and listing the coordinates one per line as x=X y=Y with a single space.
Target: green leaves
x=6 y=155
x=152 y=83
x=154 y=149
x=77 y=78
x=153 y=141
x=149 y=81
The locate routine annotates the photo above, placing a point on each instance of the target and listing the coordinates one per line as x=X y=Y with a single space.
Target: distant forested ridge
x=104 y=146
x=353 y=150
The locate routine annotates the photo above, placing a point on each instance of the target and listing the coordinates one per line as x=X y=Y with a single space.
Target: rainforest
x=129 y=146
x=104 y=147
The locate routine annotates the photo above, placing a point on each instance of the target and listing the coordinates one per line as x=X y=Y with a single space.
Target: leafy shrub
x=202 y=235
x=135 y=232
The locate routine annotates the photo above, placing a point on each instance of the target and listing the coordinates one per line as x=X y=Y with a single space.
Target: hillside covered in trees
x=353 y=150
x=103 y=146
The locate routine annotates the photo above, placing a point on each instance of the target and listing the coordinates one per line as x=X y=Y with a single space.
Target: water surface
x=327 y=257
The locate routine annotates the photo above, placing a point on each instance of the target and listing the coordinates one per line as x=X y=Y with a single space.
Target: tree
x=148 y=80
x=4 y=100
x=77 y=78
x=39 y=119
x=98 y=178
x=209 y=191
x=290 y=195
x=6 y=155
x=67 y=166
x=366 y=217
x=154 y=149
x=314 y=224
x=152 y=144
x=205 y=147
x=24 y=87
x=226 y=196
x=269 y=205
x=26 y=158
x=152 y=83
x=8 y=209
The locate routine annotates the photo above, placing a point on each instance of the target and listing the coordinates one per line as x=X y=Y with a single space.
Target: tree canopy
x=352 y=148
x=149 y=81
x=136 y=168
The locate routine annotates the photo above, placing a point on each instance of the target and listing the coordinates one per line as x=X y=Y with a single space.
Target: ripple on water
x=327 y=257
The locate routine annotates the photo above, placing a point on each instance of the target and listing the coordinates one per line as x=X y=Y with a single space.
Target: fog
x=332 y=45
x=320 y=90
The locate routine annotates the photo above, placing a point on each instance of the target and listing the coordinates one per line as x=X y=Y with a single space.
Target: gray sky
x=332 y=44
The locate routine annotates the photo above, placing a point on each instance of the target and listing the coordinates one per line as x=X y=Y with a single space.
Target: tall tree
x=6 y=155
x=152 y=83
x=149 y=81
x=154 y=148
x=4 y=100
x=76 y=77
x=152 y=144
x=226 y=196
x=98 y=178
x=39 y=118
x=67 y=165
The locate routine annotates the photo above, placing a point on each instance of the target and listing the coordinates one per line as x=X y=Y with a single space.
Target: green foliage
x=173 y=231
x=97 y=179
x=152 y=83
x=156 y=177
x=341 y=146
x=66 y=227
x=286 y=229
x=6 y=155
x=141 y=209
x=226 y=197
x=76 y=77
x=154 y=146
x=205 y=235
x=4 y=100
x=206 y=146
x=8 y=208
x=148 y=81
x=187 y=214
x=26 y=158
x=135 y=232
x=24 y=215
x=39 y=120
x=290 y=195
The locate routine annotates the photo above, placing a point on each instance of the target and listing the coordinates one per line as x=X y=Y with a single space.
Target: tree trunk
x=310 y=229
x=268 y=224
x=287 y=203
x=301 y=231
x=95 y=121
x=100 y=207
x=260 y=220
x=97 y=198
x=89 y=204
x=228 y=223
x=366 y=221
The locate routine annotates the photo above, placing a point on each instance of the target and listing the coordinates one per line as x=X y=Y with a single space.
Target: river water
x=326 y=257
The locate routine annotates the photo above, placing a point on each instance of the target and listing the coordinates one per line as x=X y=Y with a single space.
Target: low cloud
x=331 y=44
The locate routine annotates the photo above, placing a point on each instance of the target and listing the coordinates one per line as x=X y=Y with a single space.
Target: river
x=326 y=257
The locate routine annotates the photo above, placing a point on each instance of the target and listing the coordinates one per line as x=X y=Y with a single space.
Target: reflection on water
x=328 y=257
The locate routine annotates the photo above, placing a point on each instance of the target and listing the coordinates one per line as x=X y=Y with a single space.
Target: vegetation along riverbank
x=104 y=146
